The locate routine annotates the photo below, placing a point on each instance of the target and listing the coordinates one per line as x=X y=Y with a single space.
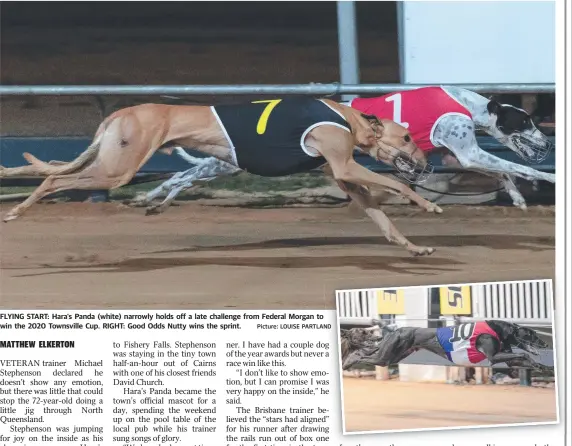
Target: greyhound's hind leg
x=58 y=183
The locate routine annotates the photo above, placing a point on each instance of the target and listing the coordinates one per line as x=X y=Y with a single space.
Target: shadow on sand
x=403 y=264
x=400 y=265
x=492 y=241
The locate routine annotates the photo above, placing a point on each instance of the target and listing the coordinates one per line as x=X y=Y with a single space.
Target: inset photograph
x=450 y=356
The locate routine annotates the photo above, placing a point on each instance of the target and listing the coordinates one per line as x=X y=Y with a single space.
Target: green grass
x=252 y=183
x=242 y=182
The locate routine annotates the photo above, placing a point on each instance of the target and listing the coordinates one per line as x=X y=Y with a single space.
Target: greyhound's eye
x=407 y=138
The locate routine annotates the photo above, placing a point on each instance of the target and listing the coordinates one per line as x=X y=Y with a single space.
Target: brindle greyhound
x=357 y=339
x=126 y=140
x=494 y=343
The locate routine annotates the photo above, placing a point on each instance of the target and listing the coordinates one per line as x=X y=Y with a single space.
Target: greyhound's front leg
x=457 y=133
x=509 y=186
x=189 y=158
x=505 y=356
x=391 y=186
x=176 y=182
x=364 y=199
x=506 y=181
x=478 y=159
x=207 y=170
x=458 y=136
x=173 y=193
x=528 y=364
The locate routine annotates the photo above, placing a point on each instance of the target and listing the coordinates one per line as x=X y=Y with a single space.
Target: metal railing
x=524 y=302
x=270 y=89
x=528 y=322
x=314 y=89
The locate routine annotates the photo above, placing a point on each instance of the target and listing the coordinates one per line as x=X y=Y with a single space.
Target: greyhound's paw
x=138 y=201
x=9 y=217
x=421 y=251
x=152 y=210
x=155 y=210
x=519 y=202
x=436 y=209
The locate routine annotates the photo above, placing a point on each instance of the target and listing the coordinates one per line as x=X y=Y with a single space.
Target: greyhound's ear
x=493 y=107
x=365 y=137
x=377 y=322
x=372 y=118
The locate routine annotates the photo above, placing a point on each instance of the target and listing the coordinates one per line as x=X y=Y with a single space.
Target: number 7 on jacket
x=263 y=120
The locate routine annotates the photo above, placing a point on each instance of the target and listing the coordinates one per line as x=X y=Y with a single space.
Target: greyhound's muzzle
x=532 y=346
x=412 y=171
x=531 y=149
x=531 y=349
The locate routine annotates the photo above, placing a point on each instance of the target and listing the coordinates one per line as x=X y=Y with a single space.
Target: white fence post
x=348 y=45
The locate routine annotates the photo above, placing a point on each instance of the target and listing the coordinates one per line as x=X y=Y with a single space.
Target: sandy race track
x=81 y=255
x=371 y=405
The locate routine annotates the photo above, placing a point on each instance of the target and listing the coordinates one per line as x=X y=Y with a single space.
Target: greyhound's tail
x=57 y=168
x=40 y=168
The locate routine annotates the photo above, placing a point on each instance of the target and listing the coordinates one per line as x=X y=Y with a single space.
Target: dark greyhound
x=466 y=344
x=356 y=339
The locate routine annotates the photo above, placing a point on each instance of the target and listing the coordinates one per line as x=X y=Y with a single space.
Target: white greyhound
x=437 y=117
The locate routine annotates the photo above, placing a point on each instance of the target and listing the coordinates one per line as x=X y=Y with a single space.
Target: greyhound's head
x=392 y=144
x=514 y=128
x=384 y=326
x=361 y=337
x=527 y=339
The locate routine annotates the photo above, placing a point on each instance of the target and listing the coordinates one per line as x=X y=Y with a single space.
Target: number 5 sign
x=455 y=300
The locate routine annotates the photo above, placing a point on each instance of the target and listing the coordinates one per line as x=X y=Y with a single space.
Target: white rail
x=522 y=302
x=272 y=89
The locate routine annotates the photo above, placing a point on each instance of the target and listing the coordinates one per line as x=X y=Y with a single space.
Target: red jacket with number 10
x=417 y=110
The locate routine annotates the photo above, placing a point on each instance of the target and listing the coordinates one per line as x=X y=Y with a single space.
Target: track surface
x=371 y=405
x=80 y=255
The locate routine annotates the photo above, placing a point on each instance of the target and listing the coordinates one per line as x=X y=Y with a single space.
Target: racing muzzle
x=531 y=346
x=532 y=149
x=412 y=170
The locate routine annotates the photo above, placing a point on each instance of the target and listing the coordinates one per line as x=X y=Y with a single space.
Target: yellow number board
x=455 y=300
x=390 y=302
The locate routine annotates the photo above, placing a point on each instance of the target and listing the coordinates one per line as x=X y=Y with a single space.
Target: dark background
x=193 y=42
x=124 y=43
